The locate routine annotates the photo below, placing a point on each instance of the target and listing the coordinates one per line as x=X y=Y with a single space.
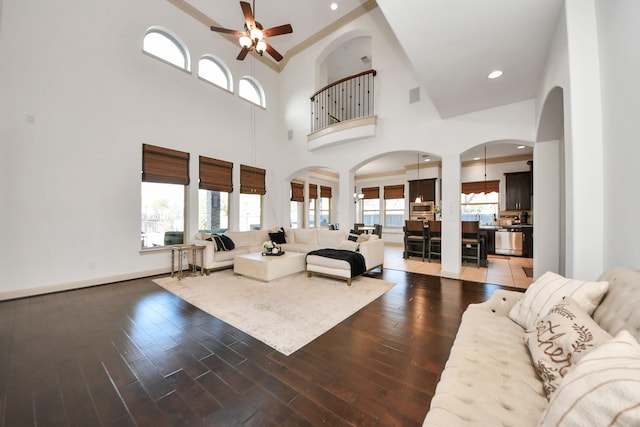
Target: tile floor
x=502 y=270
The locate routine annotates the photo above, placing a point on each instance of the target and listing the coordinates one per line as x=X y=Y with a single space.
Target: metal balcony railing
x=346 y=99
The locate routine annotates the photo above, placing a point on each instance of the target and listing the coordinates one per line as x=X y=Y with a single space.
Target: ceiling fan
x=254 y=36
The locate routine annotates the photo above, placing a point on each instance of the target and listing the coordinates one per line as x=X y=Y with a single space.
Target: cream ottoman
x=266 y=268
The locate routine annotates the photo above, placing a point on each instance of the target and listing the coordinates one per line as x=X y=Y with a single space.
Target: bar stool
x=414 y=237
x=435 y=239
x=471 y=240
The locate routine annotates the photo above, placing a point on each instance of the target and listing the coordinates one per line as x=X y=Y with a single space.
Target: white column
x=585 y=184
x=451 y=249
x=546 y=208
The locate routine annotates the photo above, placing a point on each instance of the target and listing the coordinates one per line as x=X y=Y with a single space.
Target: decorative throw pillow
x=363 y=238
x=353 y=236
x=603 y=389
x=223 y=243
x=560 y=339
x=549 y=290
x=278 y=237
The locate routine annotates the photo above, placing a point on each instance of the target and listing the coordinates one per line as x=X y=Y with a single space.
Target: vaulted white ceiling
x=452 y=44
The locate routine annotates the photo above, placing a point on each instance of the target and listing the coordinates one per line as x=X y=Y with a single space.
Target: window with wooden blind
x=313 y=191
x=252 y=188
x=394 y=205
x=478 y=187
x=216 y=175
x=297 y=191
x=371 y=205
x=394 y=191
x=325 y=191
x=216 y=182
x=164 y=165
x=165 y=175
x=371 y=192
x=479 y=201
x=252 y=180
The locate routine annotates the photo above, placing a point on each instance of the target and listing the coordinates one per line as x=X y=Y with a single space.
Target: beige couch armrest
x=500 y=302
x=373 y=253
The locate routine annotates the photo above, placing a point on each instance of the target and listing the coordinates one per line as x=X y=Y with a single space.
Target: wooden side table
x=180 y=250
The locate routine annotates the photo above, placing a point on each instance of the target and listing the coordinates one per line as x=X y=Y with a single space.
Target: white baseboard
x=450 y=274
x=59 y=287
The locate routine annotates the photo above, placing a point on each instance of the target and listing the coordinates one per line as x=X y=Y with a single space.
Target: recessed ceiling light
x=476 y=158
x=520 y=147
x=494 y=74
x=334 y=6
x=427 y=159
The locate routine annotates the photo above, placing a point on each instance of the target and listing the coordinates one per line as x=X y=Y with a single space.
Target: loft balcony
x=343 y=111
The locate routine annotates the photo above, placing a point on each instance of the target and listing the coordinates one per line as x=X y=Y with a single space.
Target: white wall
x=619 y=34
x=81 y=121
x=79 y=99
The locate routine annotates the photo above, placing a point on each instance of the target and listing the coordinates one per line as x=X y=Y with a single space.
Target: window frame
x=223 y=68
x=255 y=84
x=175 y=40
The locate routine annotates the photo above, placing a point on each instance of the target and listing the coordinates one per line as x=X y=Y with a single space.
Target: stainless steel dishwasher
x=509 y=242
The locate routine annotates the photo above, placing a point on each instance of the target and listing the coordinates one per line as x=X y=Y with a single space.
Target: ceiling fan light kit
x=254 y=37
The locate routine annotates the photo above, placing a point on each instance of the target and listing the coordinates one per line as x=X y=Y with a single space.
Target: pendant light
x=419 y=196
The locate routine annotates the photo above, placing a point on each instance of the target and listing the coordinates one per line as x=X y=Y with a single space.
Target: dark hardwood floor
x=131 y=353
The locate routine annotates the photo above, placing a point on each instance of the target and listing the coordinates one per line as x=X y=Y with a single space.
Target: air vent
x=366 y=59
x=414 y=95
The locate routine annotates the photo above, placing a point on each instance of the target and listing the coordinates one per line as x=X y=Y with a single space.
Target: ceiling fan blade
x=274 y=53
x=227 y=31
x=242 y=54
x=276 y=31
x=248 y=15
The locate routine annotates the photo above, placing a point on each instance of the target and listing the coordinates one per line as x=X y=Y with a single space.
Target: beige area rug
x=286 y=313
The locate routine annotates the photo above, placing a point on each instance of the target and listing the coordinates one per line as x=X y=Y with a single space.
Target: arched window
x=215 y=71
x=160 y=43
x=250 y=89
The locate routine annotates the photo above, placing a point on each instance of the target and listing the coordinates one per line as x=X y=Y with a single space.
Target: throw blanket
x=355 y=259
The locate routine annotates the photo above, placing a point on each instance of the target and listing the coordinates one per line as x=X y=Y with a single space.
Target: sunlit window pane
x=249 y=90
x=162 y=214
x=213 y=214
x=250 y=212
x=481 y=207
x=213 y=72
x=166 y=47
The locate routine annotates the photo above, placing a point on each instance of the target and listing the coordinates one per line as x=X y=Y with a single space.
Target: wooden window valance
x=371 y=192
x=325 y=191
x=216 y=175
x=394 y=191
x=478 y=187
x=164 y=165
x=252 y=180
x=297 y=192
x=313 y=191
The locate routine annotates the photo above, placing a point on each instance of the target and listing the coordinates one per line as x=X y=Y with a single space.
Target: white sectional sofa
x=493 y=376
x=301 y=240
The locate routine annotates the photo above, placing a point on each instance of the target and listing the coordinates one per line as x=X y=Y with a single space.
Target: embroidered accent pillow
x=560 y=340
x=603 y=389
x=349 y=245
x=353 y=236
x=548 y=291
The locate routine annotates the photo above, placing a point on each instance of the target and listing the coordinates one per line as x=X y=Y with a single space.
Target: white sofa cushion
x=330 y=238
x=561 y=338
x=489 y=378
x=244 y=238
x=602 y=390
x=548 y=290
x=307 y=236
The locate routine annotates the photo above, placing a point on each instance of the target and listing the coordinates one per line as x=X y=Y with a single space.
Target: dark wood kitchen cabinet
x=423 y=187
x=519 y=187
